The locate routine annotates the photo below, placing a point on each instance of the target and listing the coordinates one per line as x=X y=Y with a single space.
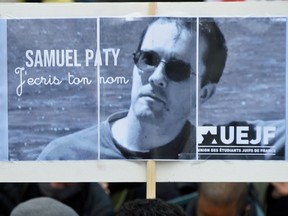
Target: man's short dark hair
x=149 y=207
x=216 y=54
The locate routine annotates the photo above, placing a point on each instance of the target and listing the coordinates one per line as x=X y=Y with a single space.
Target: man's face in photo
x=166 y=94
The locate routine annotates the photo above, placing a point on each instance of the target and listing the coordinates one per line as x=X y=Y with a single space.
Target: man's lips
x=154 y=97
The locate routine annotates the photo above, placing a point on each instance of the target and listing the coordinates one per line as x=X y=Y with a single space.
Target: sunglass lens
x=177 y=70
x=148 y=61
x=150 y=58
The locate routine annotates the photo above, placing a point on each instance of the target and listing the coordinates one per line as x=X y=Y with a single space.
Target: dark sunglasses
x=148 y=61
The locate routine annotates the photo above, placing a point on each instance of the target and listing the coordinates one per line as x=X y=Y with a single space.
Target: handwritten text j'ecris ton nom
x=47 y=80
x=59 y=58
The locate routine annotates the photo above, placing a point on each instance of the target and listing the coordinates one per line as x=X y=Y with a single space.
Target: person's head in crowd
x=276 y=199
x=43 y=206
x=60 y=190
x=223 y=199
x=149 y=207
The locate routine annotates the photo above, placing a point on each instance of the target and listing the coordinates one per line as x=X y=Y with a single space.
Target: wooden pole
x=151 y=180
x=152 y=8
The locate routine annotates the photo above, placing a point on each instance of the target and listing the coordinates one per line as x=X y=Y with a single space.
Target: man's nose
x=158 y=77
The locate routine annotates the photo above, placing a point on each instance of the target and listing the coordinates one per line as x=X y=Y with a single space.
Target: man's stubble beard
x=147 y=115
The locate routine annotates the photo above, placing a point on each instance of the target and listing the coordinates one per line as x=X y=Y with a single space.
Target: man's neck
x=134 y=135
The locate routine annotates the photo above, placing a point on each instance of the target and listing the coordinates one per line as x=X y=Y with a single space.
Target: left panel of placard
x=52 y=87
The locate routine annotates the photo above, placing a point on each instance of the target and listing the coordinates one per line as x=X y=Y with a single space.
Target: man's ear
x=207 y=91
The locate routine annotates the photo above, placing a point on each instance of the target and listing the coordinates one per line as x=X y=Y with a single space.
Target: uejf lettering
x=239 y=135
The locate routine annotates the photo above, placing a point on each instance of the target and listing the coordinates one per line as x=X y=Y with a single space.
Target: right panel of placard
x=242 y=88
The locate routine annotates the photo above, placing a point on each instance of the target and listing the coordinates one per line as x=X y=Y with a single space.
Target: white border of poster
x=135 y=171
